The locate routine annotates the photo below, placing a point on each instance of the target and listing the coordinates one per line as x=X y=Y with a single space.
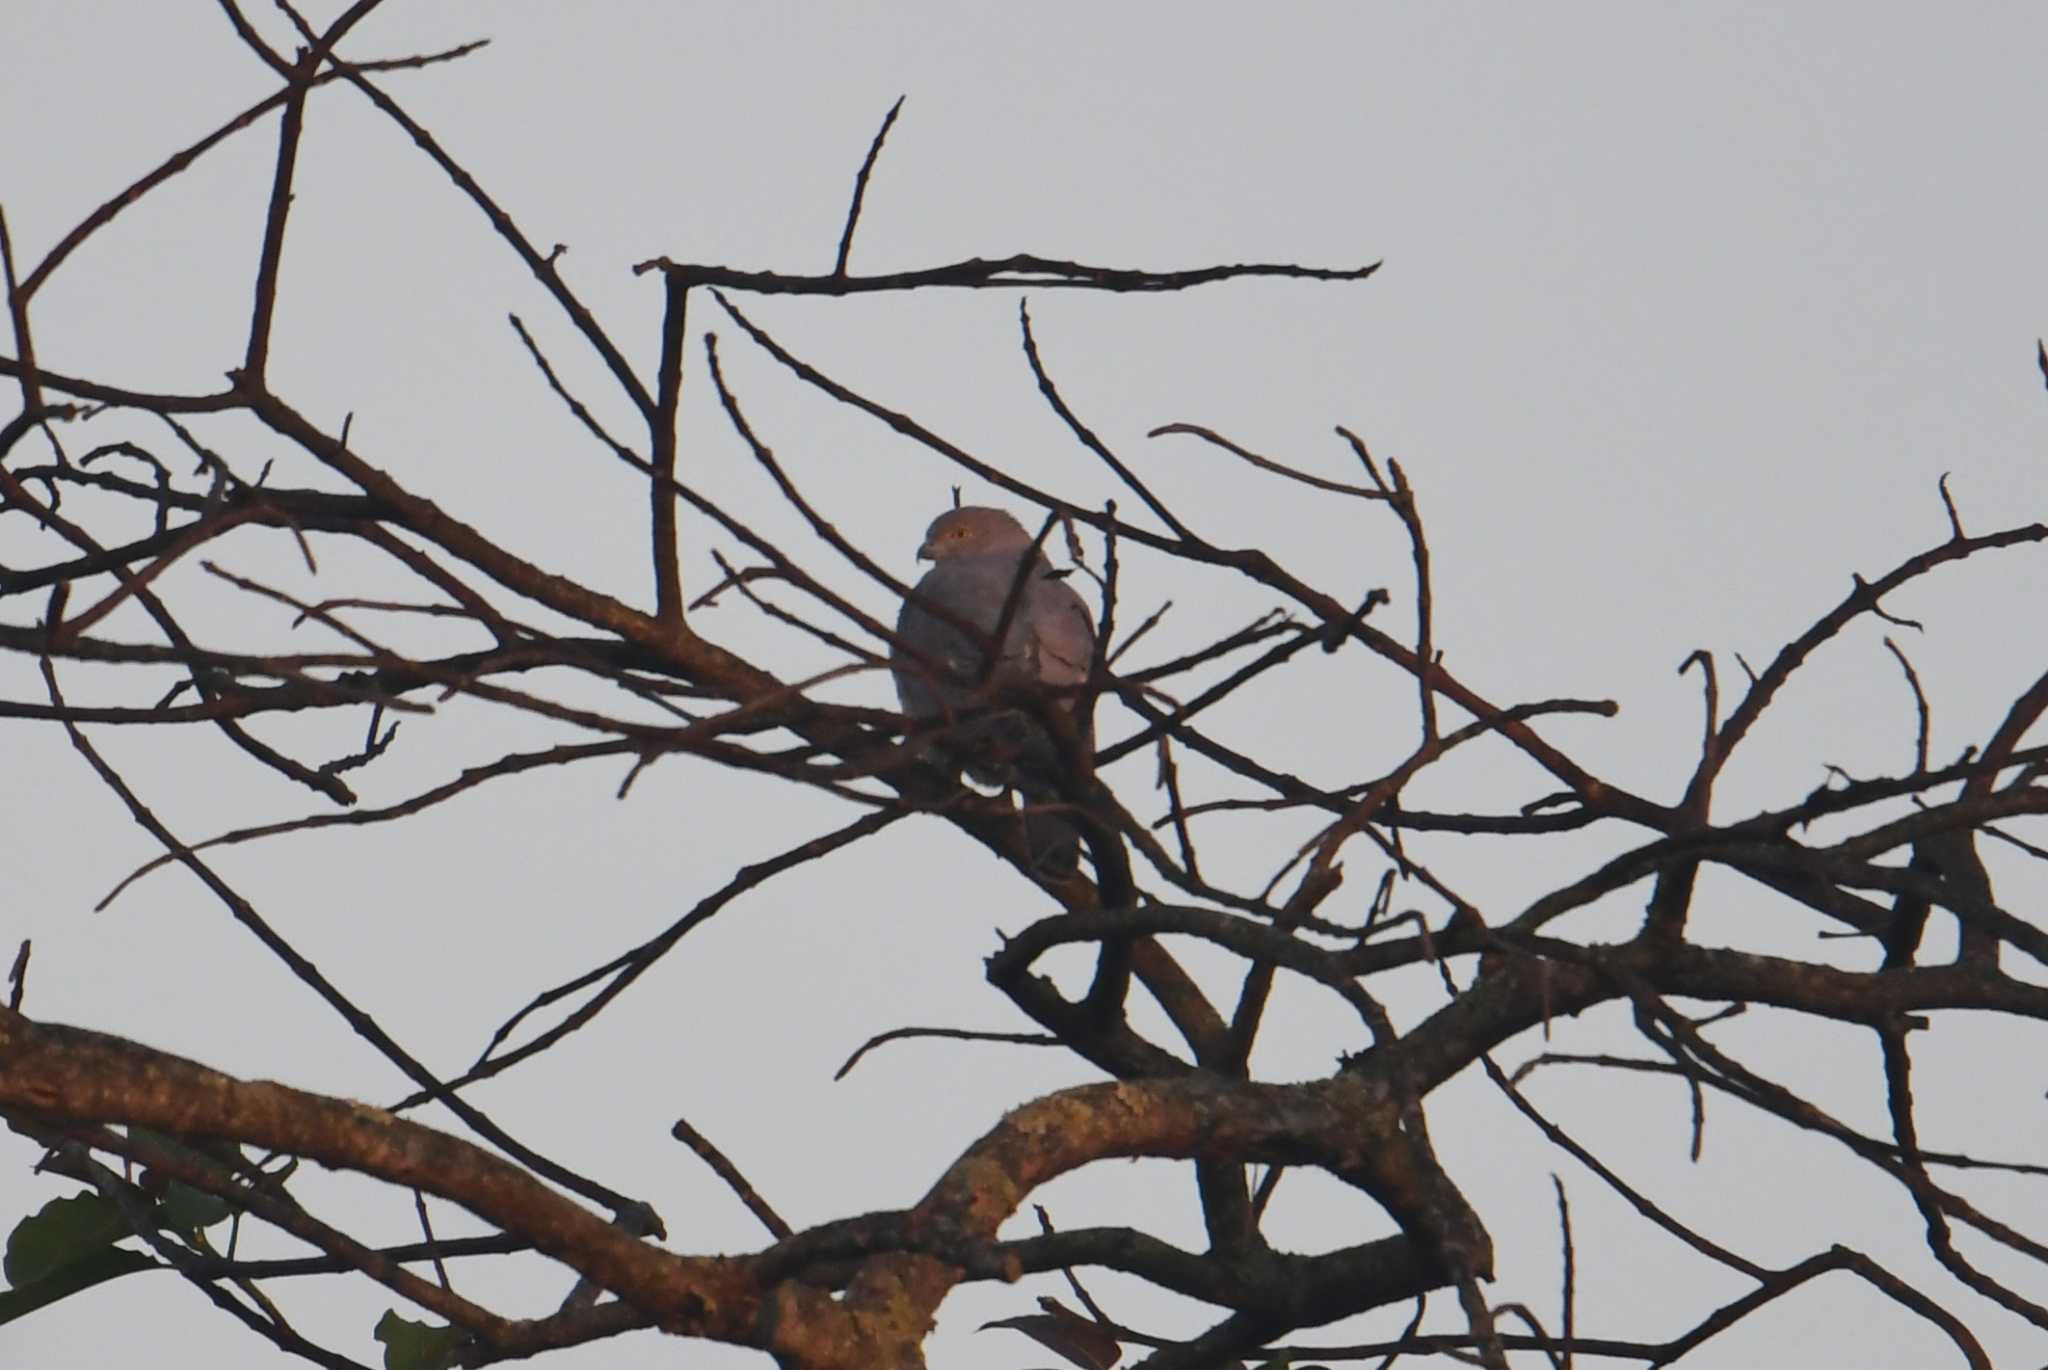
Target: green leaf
x=63 y=1231
x=109 y=1262
x=186 y=1210
x=65 y=1247
x=417 y=1345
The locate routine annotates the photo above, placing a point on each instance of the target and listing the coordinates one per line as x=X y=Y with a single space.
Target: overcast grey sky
x=1684 y=310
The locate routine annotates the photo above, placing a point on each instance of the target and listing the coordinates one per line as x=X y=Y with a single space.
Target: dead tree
x=171 y=1154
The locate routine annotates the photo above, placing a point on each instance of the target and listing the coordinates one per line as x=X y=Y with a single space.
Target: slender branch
x=668 y=575
x=860 y=187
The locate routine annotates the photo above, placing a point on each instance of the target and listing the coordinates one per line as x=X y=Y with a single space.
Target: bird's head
x=973 y=531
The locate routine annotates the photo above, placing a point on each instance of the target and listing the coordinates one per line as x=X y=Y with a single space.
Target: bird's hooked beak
x=925 y=553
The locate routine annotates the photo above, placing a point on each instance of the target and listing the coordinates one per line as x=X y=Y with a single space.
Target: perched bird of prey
x=978 y=556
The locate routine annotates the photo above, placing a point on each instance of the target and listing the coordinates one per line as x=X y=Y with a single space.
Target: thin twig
x=860 y=187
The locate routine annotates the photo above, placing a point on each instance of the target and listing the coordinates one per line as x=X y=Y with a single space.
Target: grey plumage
x=1049 y=642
